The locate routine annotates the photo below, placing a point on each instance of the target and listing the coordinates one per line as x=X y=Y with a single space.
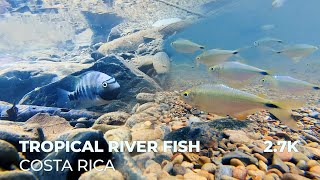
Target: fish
x=214 y=57
x=223 y=100
x=93 y=89
x=186 y=46
x=298 y=51
x=278 y=3
x=267 y=42
x=237 y=74
x=288 y=84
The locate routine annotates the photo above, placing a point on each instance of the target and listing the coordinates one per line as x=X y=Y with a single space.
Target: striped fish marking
x=93 y=89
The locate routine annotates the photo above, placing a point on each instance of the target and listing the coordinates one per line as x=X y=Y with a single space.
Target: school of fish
x=225 y=99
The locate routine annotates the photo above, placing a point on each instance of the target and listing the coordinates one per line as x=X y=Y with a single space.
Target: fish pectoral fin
x=244 y=114
x=285 y=117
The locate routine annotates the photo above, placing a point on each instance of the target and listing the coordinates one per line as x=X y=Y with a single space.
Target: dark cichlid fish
x=93 y=89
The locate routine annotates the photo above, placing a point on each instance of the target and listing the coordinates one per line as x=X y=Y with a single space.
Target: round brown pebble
x=187 y=164
x=271 y=176
x=245 y=148
x=285 y=156
x=175 y=127
x=236 y=162
x=252 y=167
x=205 y=159
x=177 y=159
x=312 y=163
x=240 y=172
x=204 y=174
x=210 y=167
x=167 y=120
x=262 y=166
x=276 y=171
x=257 y=174
x=260 y=157
x=315 y=169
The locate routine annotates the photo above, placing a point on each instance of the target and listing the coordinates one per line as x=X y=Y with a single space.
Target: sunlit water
x=294 y=23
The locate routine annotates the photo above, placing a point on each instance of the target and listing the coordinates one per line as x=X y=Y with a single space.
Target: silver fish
x=267 y=41
x=287 y=84
x=298 y=51
x=93 y=89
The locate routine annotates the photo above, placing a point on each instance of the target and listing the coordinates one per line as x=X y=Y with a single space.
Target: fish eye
x=104 y=84
x=186 y=94
x=212 y=69
x=198 y=58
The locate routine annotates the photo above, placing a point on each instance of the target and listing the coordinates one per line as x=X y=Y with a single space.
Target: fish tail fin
x=285 y=117
x=282 y=111
x=63 y=99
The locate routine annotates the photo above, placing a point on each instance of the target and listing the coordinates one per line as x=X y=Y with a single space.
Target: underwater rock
x=101 y=24
x=13 y=132
x=140 y=117
x=277 y=163
x=101 y=175
x=8 y=155
x=152 y=134
x=145 y=97
x=83 y=39
x=131 y=81
x=161 y=64
x=16 y=174
x=120 y=134
x=121 y=44
x=156 y=66
x=166 y=22
x=205 y=131
x=17 y=79
x=238 y=136
x=52 y=126
x=81 y=135
x=141 y=159
x=113 y=118
x=239 y=155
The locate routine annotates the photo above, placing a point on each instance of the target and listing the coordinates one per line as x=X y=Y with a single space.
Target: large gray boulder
x=20 y=77
x=131 y=80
